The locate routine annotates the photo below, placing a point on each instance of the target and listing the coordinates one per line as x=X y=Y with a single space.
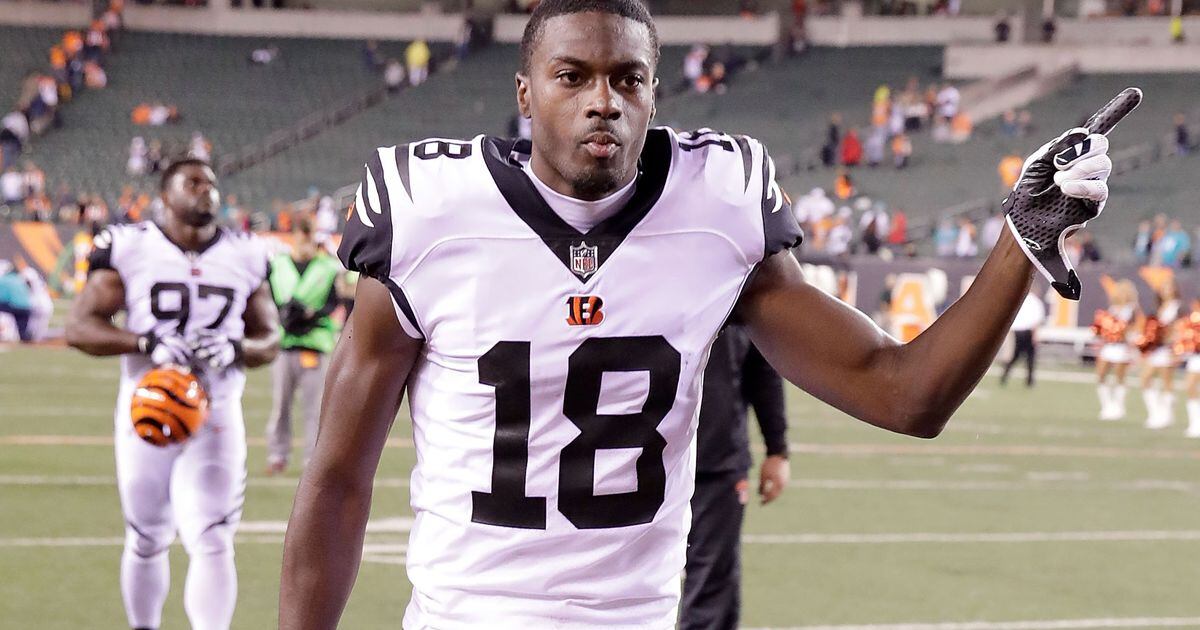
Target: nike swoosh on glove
x=169 y=349
x=1063 y=185
x=215 y=350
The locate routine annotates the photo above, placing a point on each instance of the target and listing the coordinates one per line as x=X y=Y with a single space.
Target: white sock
x=210 y=591
x=144 y=586
x=1150 y=397
x=1193 y=409
x=1104 y=391
x=1119 y=401
x=1167 y=400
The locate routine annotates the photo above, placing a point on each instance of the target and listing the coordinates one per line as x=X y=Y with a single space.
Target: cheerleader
x=1112 y=328
x=1189 y=346
x=1155 y=344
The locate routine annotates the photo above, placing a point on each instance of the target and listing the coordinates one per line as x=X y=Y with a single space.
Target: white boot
x=1105 y=393
x=1168 y=408
x=1118 y=402
x=1193 y=409
x=1153 y=409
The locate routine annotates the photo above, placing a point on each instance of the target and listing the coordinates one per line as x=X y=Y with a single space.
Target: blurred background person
x=1030 y=316
x=302 y=284
x=737 y=378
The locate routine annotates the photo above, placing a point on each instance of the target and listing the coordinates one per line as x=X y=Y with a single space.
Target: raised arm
x=837 y=354
x=363 y=391
x=840 y=356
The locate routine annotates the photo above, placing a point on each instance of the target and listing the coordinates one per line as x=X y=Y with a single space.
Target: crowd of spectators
x=707 y=69
x=866 y=226
x=414 y=70
x=1166 y=241
x=75 y=63
x=895 y=116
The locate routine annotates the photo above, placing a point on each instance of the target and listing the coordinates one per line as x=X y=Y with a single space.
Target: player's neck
x=555 y=181
x=188 y=237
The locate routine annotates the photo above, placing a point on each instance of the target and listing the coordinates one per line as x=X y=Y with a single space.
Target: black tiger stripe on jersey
x=367 y=249
x=743 y=144
x=402 y=152
x=375 y=169
x=780 y=229
x=403 y=303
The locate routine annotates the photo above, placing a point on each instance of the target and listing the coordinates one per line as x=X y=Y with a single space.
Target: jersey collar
x=203 y=248
x=582 y=253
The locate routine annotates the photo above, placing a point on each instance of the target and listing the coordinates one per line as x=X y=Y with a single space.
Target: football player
x=194 y=295
x=549 y=306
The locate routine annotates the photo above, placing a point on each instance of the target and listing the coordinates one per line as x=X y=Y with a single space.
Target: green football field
x=1027 y=513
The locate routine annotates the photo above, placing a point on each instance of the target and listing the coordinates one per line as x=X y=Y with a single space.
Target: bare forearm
x=98 y=336
x=944 y=363
x=324 y=538
x=322 y=551
x=261 y=349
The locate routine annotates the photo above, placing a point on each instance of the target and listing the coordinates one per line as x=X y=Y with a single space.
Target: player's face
x=191 y=195
x=590 y=94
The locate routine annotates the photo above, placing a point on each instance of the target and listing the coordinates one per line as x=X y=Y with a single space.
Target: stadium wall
x=926 y=286
x=990 y=61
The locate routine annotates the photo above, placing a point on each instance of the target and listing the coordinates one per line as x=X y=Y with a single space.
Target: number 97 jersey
x=172 y=291
x=554 y=405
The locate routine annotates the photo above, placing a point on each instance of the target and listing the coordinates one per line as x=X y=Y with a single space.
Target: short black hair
x=546 y=9
x=175 y=166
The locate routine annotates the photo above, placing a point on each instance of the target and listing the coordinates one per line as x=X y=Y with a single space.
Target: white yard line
x=97 y=480
x=1033 y=481
x=271 y=532
x=107 y=440
x=970 y=537
x=1043 y=624
x=249 y=532
x=843 y=449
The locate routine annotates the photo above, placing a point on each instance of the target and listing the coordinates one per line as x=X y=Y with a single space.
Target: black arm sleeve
x=762 y=387
x=780 y=229
x=101 y=255
x=366 y=245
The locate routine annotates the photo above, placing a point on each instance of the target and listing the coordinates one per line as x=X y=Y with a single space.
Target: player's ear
x=523 y=95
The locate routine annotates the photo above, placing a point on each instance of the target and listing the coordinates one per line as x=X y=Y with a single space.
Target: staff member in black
x=737 y=377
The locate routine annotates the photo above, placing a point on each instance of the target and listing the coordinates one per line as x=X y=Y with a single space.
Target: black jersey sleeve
x=102 y=248
x=366 y=245
x=369 y=237
x=780 y=228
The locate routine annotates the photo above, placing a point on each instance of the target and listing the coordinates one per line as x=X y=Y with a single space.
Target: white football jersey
x=170 y=290
x=554 y=405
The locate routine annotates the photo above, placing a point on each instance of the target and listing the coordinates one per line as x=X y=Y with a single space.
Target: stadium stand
x=775 y=102
x=968 y=171
x=216 y=89
x=25 y=50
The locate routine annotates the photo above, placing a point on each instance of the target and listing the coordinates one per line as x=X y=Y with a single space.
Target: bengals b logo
x=584 y=310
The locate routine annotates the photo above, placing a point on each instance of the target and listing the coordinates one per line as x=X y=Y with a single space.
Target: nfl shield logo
x=584 y=260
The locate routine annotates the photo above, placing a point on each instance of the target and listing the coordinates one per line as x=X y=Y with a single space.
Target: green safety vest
x=310 y=289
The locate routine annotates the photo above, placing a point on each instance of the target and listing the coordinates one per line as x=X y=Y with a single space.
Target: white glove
x=215 y=350
x=165 y=349
x=1063 y=185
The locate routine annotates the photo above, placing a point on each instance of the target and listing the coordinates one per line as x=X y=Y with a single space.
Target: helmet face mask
x=169 y=405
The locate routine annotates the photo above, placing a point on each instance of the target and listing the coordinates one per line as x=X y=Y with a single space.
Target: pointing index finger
x=1117 y=109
